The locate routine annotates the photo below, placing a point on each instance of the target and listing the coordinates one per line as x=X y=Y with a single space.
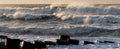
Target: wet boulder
x=28 y=45
x=73 y=42
x=88 y=42
x=50 y=43
x=106 y=42
x=12 y=43
x=64 y=37
x=62 y=42
x=39 y=44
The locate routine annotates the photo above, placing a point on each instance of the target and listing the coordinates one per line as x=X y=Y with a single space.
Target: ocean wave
x=95 y=19
x=78 y=31
x=22 y=16
x=91 y=11
x=61 y=11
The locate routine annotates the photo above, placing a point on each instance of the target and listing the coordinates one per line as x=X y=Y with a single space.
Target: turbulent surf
x=73 y=19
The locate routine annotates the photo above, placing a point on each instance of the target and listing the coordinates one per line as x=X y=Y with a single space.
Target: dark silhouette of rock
x=62 y=42
x=39 y=44
x=106 y=42
x=73 y=41
x=12 y=43
x=64 y=37
x=49 y=43
x=88 y=42
x=3 y=37
x=28 y=45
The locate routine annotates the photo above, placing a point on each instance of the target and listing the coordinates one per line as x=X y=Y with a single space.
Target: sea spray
x=63 y=12
x=77 y=20
x=86 y=20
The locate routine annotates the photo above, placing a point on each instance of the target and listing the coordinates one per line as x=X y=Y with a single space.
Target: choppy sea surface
x=54 y=19
x=92 y=22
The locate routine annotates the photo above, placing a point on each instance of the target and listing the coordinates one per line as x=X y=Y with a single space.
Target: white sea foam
x=74 y=19
x=63 y=13
x=77 y=20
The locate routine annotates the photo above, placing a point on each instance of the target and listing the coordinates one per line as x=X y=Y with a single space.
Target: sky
x=59 y=1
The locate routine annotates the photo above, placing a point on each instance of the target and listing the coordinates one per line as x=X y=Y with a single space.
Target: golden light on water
x=58 y=1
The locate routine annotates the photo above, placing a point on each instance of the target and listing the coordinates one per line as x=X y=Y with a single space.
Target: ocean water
x=84 y=22
x=54 y=19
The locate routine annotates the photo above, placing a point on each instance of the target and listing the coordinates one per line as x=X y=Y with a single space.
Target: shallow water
x=97 y=45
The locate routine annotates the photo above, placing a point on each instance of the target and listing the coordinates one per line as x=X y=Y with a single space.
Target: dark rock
x=49 y=43
x=88 y=42
x=62 y=42
x=3 y=37
x=64 y=37
x=28 y=45
x=73 y=42
x=12 y=43
x=39 y=44
x=106 y=42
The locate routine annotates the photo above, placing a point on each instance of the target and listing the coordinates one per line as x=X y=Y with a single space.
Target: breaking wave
x=60 y=11
x=96 y=18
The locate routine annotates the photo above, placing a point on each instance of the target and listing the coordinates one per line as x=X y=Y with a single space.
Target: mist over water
x=72 y=19
x=84 y=22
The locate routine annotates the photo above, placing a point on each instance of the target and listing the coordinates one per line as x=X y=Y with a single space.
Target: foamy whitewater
x=86 y=21
x=71 y=19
